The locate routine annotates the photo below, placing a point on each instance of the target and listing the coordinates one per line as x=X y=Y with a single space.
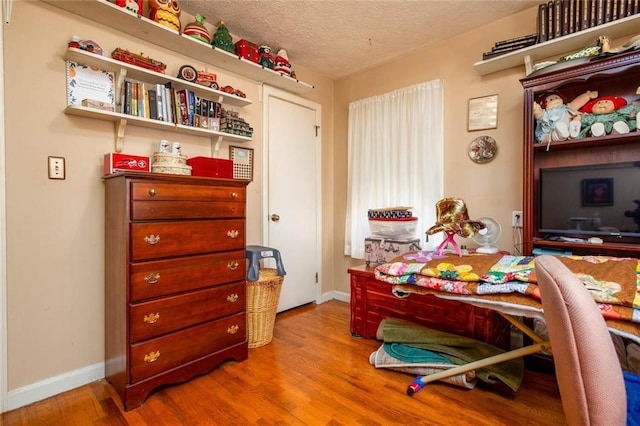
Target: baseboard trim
x=54 y=385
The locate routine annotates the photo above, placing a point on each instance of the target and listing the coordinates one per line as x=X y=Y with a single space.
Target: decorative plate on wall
x=483 y=149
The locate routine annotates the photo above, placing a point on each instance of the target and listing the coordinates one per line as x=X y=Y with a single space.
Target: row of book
x=164 y=103
x=557 y=18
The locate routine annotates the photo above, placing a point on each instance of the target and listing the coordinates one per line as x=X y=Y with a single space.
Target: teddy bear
x=554 y=117
x=606 y=115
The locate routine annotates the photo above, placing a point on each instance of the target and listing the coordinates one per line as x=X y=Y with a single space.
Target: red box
x=211 y=167
x=118 y=162
x=246 y=49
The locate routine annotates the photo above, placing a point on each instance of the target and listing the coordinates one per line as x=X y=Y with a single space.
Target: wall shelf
x=122 y=120
x=559 y=46
x=106 y=13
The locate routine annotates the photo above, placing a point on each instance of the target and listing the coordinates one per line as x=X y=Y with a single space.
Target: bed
x=507 y=284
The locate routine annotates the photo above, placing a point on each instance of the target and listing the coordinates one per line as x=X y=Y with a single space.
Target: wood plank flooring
x=312 y=373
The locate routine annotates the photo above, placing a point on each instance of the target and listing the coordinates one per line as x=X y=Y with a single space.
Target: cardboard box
x=118 y=162
x=246 y=49
x=211 y=167
x=379 y=250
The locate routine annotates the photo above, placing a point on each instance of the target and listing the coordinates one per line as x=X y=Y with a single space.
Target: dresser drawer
x=175 y=349
x=165 y=239
x=150 y=210
x=161 y=316
x=185 y=192
x=163 y=277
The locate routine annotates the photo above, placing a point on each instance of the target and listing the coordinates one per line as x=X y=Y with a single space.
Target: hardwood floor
x=312 y=373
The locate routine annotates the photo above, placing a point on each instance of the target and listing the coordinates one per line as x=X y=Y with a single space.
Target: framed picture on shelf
x=597 y=192
x=242 y=162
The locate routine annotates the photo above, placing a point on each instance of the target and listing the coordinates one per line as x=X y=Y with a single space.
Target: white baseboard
x=337 y=295
x=54 y=385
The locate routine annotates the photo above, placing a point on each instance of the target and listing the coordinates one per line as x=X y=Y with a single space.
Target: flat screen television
x=597 y=200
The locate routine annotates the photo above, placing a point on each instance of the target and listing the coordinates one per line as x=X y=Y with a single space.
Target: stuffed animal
x=554 y=116
x=603 y=116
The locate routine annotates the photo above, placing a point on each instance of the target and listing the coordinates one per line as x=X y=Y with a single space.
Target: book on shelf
x=557 y=19
x=551 y=11
x=153 y=104
x=543 y=34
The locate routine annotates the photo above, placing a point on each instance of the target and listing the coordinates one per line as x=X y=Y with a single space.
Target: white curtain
x=395 y=158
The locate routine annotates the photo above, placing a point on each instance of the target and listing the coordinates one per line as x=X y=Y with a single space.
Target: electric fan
x=488 y=238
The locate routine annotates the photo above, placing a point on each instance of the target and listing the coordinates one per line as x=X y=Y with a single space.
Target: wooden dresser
x=372 y=301
x=175 y=273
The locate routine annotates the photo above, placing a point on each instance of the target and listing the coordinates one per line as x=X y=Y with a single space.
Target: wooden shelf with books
x=118 y=18
x=124 y=72
x=615 y=29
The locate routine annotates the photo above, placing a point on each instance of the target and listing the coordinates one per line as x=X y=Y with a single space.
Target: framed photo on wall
x=242 y=162
x=483 y=113
x=597 y=192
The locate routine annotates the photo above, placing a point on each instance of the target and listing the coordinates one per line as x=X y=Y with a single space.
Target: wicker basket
x=262 y=302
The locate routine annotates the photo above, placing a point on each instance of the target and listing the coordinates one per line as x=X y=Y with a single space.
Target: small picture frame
x=483 y=113
x=242 y=162
x=597 y=192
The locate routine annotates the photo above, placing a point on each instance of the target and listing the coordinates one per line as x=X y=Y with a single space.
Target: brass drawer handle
x=152 y=278
x=233 y=265
x=234 y=195
x=152 y=192
x=232 y=297
x=233 y=233
x=233 y=329
x=152 y=356
x=151 y=318
x=152 y=239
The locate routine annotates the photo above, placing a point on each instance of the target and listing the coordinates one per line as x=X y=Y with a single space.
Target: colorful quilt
x=613 y=282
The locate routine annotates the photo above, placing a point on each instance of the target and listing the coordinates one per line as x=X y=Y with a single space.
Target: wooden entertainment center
x=617 y=75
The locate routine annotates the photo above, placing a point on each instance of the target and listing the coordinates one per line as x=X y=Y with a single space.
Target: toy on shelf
x=282 y=64
x=134 y=6
x=265 y=58
x=232 y=123
x=554 y=116
x=607 y=115
x=222 y=39
x=197 y=30
x=165 y=12
x=189 y=73
x=138 y=60
x=88 y=45
x=453 y=219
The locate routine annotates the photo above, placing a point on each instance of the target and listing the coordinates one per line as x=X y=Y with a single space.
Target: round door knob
x=275 y=217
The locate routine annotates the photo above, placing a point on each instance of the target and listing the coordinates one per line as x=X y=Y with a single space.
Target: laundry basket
x=262 y=302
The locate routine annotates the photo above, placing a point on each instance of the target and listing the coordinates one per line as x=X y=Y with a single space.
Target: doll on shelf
x=607 y=115
x=554 y=117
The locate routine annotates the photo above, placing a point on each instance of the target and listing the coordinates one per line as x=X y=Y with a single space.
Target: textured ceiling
x=339 y=38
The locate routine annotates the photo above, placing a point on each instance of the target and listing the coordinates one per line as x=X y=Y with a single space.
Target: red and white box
x=118 y=162
x=246 y=49
x=211 y=167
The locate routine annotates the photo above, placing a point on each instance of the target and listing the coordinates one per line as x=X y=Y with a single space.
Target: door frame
x=3 y=234
x=267 y=92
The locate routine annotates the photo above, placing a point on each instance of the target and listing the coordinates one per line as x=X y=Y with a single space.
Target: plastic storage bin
x=262 y=302
x=399 y=229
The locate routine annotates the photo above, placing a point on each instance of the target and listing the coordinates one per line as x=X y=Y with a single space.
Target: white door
x=292 y=192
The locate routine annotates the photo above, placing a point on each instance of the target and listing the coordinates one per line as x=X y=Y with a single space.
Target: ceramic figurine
x=134 y=6
x=282 y=62
x=265 y=58
x=222 y=39
x=165 y=12
x=197 y=30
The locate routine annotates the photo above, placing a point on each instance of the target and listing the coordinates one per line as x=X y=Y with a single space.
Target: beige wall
x=55 y=267
x=493 y=189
